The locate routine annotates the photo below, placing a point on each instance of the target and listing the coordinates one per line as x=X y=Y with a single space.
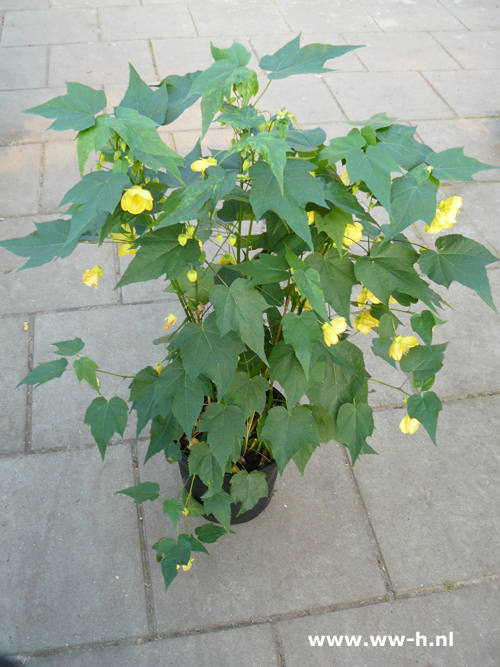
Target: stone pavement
x=408 y=542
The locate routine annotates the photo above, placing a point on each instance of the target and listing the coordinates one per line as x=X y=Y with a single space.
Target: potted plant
x=280 y=263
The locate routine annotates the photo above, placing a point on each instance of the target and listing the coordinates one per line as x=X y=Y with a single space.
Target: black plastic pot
x=270 y=471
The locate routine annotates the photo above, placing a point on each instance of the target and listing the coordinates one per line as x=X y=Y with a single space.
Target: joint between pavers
x=193 y=21
x=118 y=274
x=40 y=179
x=47 y=65
x=372 y=17
x=445 y=49
x=98 y=24
x=278 y=646
x=335 y=99
x=422 y=74
x=2 y=21
x=153 y=58
x=28 y=426
x=283 y=16
x=455 y=17
x=448 y=586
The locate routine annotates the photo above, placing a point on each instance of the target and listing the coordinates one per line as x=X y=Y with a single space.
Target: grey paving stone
x=328 y=15
x=54 y=26
x=242 y=647
x=469 y=93
x=17 y=127
x=24 y=4
x=411 y=17
x=401 y=51
x=51 y=286
x=258 y=18
x=60 y=173
x=23 y=67
x=13 y=362
x=57 y=4
x=59 y=407
x=310 y=547
x=100 y=63
x=437 y=519
x=473 y=50
x=72 y=568
x=20 y=178
x=216 y=139
x=475 y=14
x=480 y=138
x=123 y=23
x=405 y=95
x=469 y=613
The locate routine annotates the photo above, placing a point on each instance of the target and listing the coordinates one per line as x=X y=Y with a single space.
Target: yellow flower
x=408 y=425
x=307 y=306
x=182 y=239
x=400 y=345
x=332 y=330
x=226 y=259
x=91 y=276
x=126 y=240
x=200 y=244
x=186 y=567
x=26 y=326
x=219 y=237
x=135 y=200
x=171 y=319
x=344 y=177
x=310 y=217
x=353 y=234
x=190 y=231
x=158 y=368
x=365 y=321
x=204 y=163
x=364 y=296
x=192 y=275
x=231 y=239
x=392 y=299
x=446 y=215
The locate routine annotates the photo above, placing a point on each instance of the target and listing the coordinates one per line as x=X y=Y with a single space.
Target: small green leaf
x=106 y=418
x=453 y=165
x=338 y=148
x=144 y=401
x=289 y=432
x=247 y=393
x=337 y=279
x=287 y=370
x=52 y=239
x=165 y=435
x=141 y=98
x=377 y=121
x=142 y=492
x=173 y=507
x=423 y=325
x=210 y=533
x=410 y=201
x=388 y=326
x=220 y=506
x=374 y=167
x=92 y=139
x=203 y=463
x=355 y=423
x=270 y=148
x=265 y=269
x=85 y=369
x=248 y=489
x=425 y=408
x=223 y=424
x=309 y=285
x=301 y=458
x=398 y=141
x=196 y=545
x=301 y=332
x=236 y=50
x=334 y=224
x=44 y=372
x=423 y=362
x=180 y=95
x=74 y=111
x=67 y=348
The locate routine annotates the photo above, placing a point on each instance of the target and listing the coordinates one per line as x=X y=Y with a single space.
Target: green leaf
x=327 y=427
x=195 y=544
x=236 y=51
x=220 y=506
x=142 y=492
x=453 y=165
x=173 y=507
x=287 y=370
x=210 y=533
x=180 y=96
x=334 y=224
x=423 y=325
x=377 y=121
x=299 y=188
x=309 y=285
x=270 y=148
x=337 y=279
x=388 y=326
x=142 y=395
x=74 y=111
x=187 y=395
x=203 y=463
x=355 y=423
x=340 y=195
x=248 y=489
x=289 y=432
x=461 y=259
x=425 y=408
x=85 y=369
x=172 y=553
x=67 y=348
x=388 y=269
x=338 y=148
x=247 y=393
x=265 y=269
x=245 y=119
x=50 y=240
x=223 y=424
x=368 y=133
x=301 y=332
x=92 y=139
x=374 y=167
x=292 y=59
x=410 y=201
x=305 y=141
x=44 y=372
x=423 y=362
x=301 y=458
x=106 y=418
x=165 y=435
x=239 y=308
x=293 y=261
x=160 y=254
x=398 y=141
x=141 y=98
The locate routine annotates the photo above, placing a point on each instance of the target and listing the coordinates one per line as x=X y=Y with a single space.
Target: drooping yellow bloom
x=332 y=330
x=364 y=296
x=307 y=306
x=186 y=567
x=408 y=425
x=91 y=276
x=365 y=321
x=135 y=200
x=310 y=217
x=446 y=215
x=182 y=239
x=353 y=233
x=126 y=240
x=344 y=177
x=171 y=319
x=200 y=244
x=231 y=239
x=226 y=259
x=25 y=326
x=158 y=368
x=392 y=299
x=204 y=163
x=400 y=345
x=192 y=275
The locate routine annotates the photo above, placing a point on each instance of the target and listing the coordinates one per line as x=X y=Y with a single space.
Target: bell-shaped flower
x=409 y=425
x=310 y=217
x=353 y=233
x=364 y=296
x=169 y=321
x=192 y=275
x=365 y=321
x=446 y=215
x=135 y=200
x=333 y=329
x=126 y=241
x=186 y=567
x=91 y=276
x=182 y=239
x=204 y=163
x=226 y=259
x=400 y=345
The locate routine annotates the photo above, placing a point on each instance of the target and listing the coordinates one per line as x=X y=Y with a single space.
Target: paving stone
x=57 y=4
x=307 y=540
x=51 y=286
x=123 y=23
x=437 y=520
x=401 y=51
x=475 y=14
x=469 y=93
x=13 y=362
x=101 y=63
x=20 y=178
x=479 y=50
x=213 y=19
x=405 y=95
x=333 y=15
x=59 y=407
x=215 y=139
x=18 y=127
x=72 y=568
x=60 y=173
x=480 y=138
x=469 y=613
x=245 y=647
x=23 y=67
x=24 y=4
x=61 y=26
x=411 y=16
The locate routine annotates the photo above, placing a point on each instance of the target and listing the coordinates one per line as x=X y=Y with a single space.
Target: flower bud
x=182 y=239
x=246 y=165
x=190 y=231
x=231 y=240
x=102 y=158
x=122 y=145
x=219 y=237
x=192 y=275
x=117 y=156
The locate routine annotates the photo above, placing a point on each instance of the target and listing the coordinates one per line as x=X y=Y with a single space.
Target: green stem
x=389 y=385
